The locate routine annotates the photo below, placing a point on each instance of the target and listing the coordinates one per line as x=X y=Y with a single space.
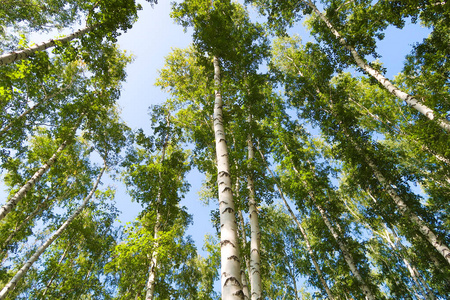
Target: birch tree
x=351 y=17
x=23 y=270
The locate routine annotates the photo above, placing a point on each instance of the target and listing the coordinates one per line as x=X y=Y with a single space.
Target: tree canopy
x=328 y=179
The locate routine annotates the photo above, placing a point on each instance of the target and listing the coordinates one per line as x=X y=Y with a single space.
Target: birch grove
x=324 y=171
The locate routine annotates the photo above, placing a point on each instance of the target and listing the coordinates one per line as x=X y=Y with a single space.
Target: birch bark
x=410 y=100
x=230 y=259
x=49 y=283
x=31 y=216
x=347 y=255
x=442 y=248
x=31 y=109
x=6 y=208
x=255 y=242
x=243 y=236
x=11 y=57
x=407 y=264
x=24 y=222
x=24 y=269
x=302 y=230
x=151 y=282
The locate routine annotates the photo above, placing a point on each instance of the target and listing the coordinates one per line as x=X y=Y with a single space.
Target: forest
x=329 y=179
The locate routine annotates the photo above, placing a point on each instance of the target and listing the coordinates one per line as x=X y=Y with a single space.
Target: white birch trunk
x=243 y=236
x=417 y=285
x=429 y=292
x=400 y=131
x=24 y=222
x=230 y=261
x=151 y=282
x=13 y=282
x=49 y=283
x=11 y=57
x=302 y=230
x=255 y=242
x=404 y=209
x=347 y=255
x=410 y=100
x=6 y=208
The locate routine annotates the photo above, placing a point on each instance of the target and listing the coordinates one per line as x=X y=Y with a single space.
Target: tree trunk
x=6 y=208
x=410 y=100
x=255 y=243
x=386 y=236
x=24 y=222
x=347 y=255
x=407 y=264
x=151 y=282
x=402 y=206
x=302 y=230
x=398 y=130
x=230 y=261
x=22 y=54
x=243 y=236
x=49 y=283
x=33 y=214
x=13 y=282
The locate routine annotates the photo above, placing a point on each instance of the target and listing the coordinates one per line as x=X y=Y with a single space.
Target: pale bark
x=243 y=237
x=418 y=289
x=347 y=255
x=54 y=273
x=429 y=293
x=31 y=216
x=255 y=242
x=410 y=100
x=24 y=222
x=24 y=269
x=230 y=259
x=400 y=131
x=403 y=207
x=407 y=264
x=6 y=208
x=302 y=230
x=11 y=57
x=151 y=281
x=294 y=281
